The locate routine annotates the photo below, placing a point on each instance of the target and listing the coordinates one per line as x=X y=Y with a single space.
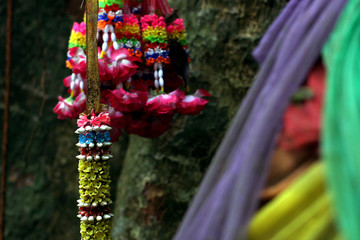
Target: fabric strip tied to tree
x=228 y=195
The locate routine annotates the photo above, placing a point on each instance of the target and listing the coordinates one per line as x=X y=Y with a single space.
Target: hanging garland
x=128 y=64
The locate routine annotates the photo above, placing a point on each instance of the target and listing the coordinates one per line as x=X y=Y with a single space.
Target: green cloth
x=341 y=133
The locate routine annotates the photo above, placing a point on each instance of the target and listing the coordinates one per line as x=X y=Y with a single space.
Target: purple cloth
x=228 y=195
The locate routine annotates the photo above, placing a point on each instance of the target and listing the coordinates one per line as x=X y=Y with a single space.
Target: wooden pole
x=93 y=80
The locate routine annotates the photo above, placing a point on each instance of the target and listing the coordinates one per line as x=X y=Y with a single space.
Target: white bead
x=80 y=157
x=111 y=28
x=116 y=45
x=96 y=128
x=108 y=128
x=79 y=200
x=103 y=127
x=73 y=76
x=97 y=157
x=107 y=143
x=72 y=85
x=105 y=37
x=156 y=74
x=161 y=81
x=106 y=216
x=113 y=37
x=79 y=216
x=89 y=158
x=97 y=35
x=156 y=83
x=99 y=144
x=106 y=29
x=84 y=218
x=94 y=204
x=104 y=46
x=119 y=13
x=86 y=204
x=99 y=218
x=81 y=130
x=79 y=145
x=81 y=85
x=103 y=203
x=105 y=157
x=91 y=145
x=161 y=73
x=83 y=145
x=88 y=128
x=91 y=218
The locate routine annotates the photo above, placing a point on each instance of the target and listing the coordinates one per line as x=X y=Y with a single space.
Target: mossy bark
x=160 y=176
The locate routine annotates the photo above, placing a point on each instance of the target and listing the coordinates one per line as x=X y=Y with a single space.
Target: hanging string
x=6 y=115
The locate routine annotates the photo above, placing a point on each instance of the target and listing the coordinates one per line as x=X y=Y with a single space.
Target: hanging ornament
x=128 y=64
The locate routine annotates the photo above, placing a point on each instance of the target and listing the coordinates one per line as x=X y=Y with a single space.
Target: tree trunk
x=160 y=176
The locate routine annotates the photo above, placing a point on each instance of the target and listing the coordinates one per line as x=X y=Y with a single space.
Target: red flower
x=64 y=109
x=122 y=65
x=162 y=104
x=148 y=125
x=302 y=122
x=118 y=121
x=124 y=101
x=193 y=104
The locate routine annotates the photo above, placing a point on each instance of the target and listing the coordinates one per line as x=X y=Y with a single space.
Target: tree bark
x=160 y=176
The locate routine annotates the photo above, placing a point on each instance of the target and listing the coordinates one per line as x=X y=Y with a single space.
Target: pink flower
x=122 y=65
x=77 y=60
x=193 y=104
x=79 y=27
x=102 y=118
x=124 y=101
x=130 y=19
x=64 y=109
x=83 y=120
x=162 y=104
x=79 y=104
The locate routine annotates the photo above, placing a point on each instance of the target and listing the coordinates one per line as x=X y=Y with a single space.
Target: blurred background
x=153 y=179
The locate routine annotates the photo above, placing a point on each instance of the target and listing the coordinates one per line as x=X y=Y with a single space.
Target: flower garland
x=138 y=84
x=94 y=180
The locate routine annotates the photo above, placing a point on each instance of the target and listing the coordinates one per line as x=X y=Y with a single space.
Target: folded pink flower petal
x=162 y=104
x=64 y=109
x=193 y=104
x=124 y=101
